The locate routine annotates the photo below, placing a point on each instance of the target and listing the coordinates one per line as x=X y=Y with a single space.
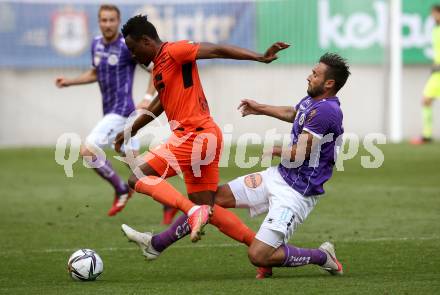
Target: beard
x=110 y=34
x=316 y=91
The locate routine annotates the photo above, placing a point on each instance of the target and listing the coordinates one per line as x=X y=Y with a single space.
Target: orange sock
x=163 y=192
x=229 y=224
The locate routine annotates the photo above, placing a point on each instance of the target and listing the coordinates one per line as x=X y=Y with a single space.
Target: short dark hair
x=109 y=7
x=137 y=26
x=337 y=69
x=436 y=7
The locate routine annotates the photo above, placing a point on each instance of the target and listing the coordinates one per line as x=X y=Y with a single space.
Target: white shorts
x=106 y=130
x=267 y=191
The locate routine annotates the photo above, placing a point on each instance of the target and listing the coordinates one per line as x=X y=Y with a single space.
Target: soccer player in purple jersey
x=113 y=68
x=287 y=192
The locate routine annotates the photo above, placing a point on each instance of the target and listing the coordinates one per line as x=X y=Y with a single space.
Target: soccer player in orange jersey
x=194 y=148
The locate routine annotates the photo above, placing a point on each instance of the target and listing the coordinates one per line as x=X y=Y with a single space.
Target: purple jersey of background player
x=115 y=70
x=320 y=118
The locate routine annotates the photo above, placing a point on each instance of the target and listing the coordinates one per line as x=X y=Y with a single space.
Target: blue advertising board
x=43 y=35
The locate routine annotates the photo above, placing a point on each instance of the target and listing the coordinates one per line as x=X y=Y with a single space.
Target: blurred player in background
x=182 y=98
x=432 y=87
x=168 y=212
x=287 y=192
x=149 y=95
x=113 y=68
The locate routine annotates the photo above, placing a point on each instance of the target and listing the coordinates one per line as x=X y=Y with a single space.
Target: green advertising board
x=357 y=29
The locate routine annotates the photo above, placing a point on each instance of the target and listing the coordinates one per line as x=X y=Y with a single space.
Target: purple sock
x=301 y=256
x=106 y=171
x=175 y=232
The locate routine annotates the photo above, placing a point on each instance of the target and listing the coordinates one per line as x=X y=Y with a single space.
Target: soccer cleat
x=197 y=221
x=119 y=202
x=143 y=240
x=168 y=215
x=420 y=140
x=332 y=265
x=264 y=272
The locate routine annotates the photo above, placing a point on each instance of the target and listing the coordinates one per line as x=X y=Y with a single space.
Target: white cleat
x=332 y=265
x=143 y=240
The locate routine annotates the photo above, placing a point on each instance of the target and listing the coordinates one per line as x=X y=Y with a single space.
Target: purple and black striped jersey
x=115 y=68
x=323 y=119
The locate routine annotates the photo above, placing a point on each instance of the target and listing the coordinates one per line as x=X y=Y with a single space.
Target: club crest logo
x=112 y=59
x=69 y=33
x=311 y=115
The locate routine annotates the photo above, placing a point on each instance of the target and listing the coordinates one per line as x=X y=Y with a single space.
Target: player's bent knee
x=256 y=257
x=146 y=170
x=224 y=197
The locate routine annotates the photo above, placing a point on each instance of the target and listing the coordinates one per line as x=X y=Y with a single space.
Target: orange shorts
x=195 y=154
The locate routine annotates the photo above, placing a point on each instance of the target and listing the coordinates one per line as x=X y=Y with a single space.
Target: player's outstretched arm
x=210 y=50
x=251 y=107
x=87 y=77
x=153 y=111
x=297 y=152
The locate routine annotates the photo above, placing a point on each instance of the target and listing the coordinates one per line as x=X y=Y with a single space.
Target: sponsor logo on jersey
x=253 y=180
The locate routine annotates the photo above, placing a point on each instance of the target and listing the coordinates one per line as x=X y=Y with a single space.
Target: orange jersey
x=177 y=81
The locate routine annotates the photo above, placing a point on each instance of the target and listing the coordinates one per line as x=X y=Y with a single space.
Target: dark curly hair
x=337 y=69
x=138 y=26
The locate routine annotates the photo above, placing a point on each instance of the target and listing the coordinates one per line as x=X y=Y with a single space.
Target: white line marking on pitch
x=5 y=253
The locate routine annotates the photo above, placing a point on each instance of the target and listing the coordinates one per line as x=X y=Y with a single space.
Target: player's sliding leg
x=152 y=245
x=163 y=192
x=226 y=221
x=286 y=211
x=106 y=171
x=265 y=252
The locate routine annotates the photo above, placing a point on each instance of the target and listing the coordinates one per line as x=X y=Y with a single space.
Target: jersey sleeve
x=92 y=53
x=184 y=51
x=319 y=120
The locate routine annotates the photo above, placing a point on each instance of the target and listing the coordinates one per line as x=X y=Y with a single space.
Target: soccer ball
x=85 y=265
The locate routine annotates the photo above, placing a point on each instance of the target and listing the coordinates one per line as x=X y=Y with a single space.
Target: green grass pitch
x=384 y=222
